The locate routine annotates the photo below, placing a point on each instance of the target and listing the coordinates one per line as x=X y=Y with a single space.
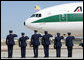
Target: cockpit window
x=39 y=15
x=36 y=15
x=33 y=15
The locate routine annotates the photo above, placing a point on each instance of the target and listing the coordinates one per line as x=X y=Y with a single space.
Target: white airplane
x=60 y=18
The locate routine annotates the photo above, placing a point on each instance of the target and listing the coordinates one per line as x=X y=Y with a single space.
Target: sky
x=14 y=13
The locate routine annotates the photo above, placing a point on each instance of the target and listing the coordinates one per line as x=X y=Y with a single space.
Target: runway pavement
x=77 y=54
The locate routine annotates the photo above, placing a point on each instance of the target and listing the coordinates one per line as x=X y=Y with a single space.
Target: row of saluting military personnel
x=35 y=43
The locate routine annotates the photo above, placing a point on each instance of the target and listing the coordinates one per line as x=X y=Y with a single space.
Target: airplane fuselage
x=61 y=18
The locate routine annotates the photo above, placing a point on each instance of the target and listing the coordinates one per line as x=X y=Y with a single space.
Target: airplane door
x=63 y=17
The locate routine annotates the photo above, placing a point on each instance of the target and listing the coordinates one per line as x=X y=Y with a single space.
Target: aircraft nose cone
x=24 y=23
x=27 y=24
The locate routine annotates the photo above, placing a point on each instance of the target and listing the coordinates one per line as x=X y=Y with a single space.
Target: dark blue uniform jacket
x=22 y=41
x=46 y=39
x=35 y=39
x=69 y=41
x=57 y=41
x=10 y=39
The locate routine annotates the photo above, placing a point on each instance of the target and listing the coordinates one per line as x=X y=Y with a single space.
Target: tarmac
x=77 y=53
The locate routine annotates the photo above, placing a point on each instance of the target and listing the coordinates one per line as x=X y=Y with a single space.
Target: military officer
x=58 y=44
x=69 y=44
x=46 y=43
x=10 y=43
x=23 y=44
x=35 y=42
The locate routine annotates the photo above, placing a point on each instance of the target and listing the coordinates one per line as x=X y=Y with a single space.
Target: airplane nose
x=24 y=23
